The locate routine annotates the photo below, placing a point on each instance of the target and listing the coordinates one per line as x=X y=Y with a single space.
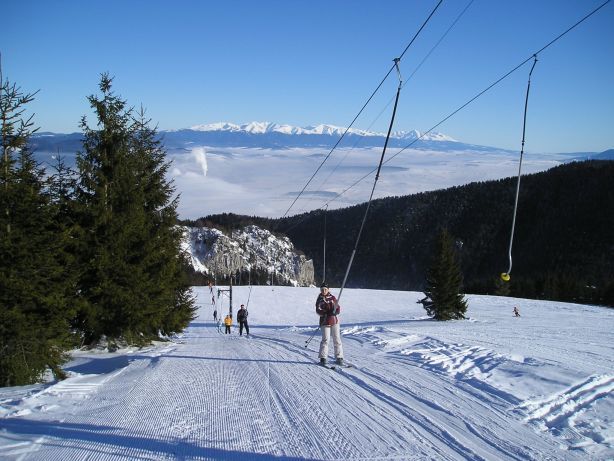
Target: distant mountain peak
x=321 y=129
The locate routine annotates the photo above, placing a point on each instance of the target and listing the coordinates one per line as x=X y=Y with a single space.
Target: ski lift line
x=466 y=104
x=416 y=35
x=438 y=42
x=404 y=83
x=359 y=140
x=363 y=108
x=384 y=109
x=336 y=144
x=481 y=93
x=249 y=296
x=379 y=167
x=433 y=127
x=505 y=276
x=324 y=249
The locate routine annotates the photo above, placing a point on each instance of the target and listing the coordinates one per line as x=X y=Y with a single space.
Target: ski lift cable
x=379 y=167
x=324 y=181
x=362 y=109
x=505 y=276
x=249 y=296
x=404 y=83
x=324 y=249
x=481 y=93
x=453 y=113
x=392 y=99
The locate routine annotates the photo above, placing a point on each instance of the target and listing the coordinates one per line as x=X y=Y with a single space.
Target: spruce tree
x=443 y=299
x=104 y=282
x=172 y=304
x=132 y=281
x=34 y=308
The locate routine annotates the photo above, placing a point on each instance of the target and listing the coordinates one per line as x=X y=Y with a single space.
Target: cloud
x=200 y=155
x=265 y=182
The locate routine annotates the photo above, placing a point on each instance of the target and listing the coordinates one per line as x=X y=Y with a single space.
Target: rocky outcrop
x=250 y=251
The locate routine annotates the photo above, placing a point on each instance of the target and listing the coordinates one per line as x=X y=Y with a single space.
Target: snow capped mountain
x=322 y=129
x=251 y=251
x=269 y=135
x=415 y=134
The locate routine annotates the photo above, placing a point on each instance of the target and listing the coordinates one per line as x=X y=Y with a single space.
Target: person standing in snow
x=228 y=323
x=516 y=313
x=215 y=315
x=328 y=309
x=242 y=319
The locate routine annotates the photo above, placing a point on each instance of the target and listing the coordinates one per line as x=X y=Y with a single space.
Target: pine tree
x=171 y=305
x=443 y=300
x=133 y=280
x=104 y=282
x=34 y=308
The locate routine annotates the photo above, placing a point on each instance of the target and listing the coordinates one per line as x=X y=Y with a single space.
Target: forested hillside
x=563 y=245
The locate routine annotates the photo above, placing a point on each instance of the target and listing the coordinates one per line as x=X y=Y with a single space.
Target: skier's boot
x=323 y=361
x=339 y=361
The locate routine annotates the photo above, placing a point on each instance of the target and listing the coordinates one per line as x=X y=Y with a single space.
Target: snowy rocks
x=251 y=251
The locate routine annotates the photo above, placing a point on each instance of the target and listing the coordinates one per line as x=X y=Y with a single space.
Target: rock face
x=250 y=252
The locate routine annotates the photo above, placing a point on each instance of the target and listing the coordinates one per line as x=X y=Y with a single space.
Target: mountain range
x=258 y=168
x=281 y=136
x=271 y=135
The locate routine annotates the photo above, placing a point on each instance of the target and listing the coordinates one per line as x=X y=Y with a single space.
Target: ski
x=341 y=367
x=336 y=367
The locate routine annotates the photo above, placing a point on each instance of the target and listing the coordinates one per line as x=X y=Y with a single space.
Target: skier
x=328 y=309
x=228 y=323
x=215 y=315
x=242 y=319
x=516 y=313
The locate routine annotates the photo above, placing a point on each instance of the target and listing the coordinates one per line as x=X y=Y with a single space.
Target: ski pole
x=312 y=336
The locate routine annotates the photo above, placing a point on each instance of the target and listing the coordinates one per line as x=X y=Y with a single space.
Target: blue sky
x=310 y=62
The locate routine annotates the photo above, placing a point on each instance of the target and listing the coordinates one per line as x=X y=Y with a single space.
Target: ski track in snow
x=559 y=413
x=211 y=396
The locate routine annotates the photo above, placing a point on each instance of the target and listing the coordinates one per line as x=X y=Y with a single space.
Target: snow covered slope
x=494 y=387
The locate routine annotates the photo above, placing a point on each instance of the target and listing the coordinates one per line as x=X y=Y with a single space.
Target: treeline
x=563 y=244
x=89 y=254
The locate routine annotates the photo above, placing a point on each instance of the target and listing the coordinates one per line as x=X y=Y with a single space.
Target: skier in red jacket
x=328 y=309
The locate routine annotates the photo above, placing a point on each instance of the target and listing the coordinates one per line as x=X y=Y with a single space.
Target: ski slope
x=493 y=387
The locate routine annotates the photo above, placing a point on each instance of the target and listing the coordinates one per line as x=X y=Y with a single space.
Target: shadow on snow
x=130 y=445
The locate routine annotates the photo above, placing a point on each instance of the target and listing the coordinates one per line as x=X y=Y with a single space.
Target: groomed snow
x=493 y=387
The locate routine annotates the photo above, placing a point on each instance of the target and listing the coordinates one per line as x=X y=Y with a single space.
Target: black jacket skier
x=242 y=319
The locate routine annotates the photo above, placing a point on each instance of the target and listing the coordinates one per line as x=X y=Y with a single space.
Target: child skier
x=228 y=323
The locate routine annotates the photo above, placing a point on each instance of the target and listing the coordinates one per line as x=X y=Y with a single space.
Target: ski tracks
x=228 y=397
x=572 y=413
x=326 y=416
